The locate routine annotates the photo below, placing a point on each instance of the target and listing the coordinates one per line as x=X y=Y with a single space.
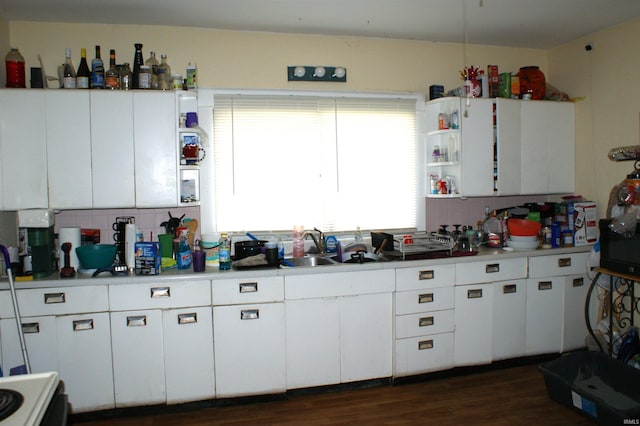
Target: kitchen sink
x=309 y=261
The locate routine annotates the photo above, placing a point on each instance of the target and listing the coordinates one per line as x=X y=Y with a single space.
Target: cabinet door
x=366 y=355
x=249 y=347
x=69 y=149
x=23 y=150
x=313 y=342
x=188 y=354
x=84 y=352
x=547 y=141
x=423 y=354
x=156 y=152
x=508 y=146
x=474 y=324
x=543 y=332
x=41 y=341
x=112 y=153
x=477 y=148
x=574 y=327
x=509 y=304
x=138 y=364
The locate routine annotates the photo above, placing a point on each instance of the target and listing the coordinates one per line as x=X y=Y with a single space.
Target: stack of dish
x=523 y=242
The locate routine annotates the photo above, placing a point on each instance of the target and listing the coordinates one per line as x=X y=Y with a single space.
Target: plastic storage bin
x=595 y=384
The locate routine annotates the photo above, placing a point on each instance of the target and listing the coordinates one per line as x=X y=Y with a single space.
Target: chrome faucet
x=319 y=241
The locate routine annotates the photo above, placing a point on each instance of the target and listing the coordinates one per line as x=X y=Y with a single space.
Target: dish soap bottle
x=224 y=252
x=184 y=252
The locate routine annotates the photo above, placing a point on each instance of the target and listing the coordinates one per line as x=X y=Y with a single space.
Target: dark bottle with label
x=112 y=75
x=68 y=72
x=138 y=61
x=83 y=75
x=97 y=71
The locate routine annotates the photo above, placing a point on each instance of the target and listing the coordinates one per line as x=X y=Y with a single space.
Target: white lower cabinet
x=474 y=324
x=347 y=317
x=249 y=336
x=138 y=364
x=188 y=354
x=424 y=320
x=509 y=305
x=544 y=315
x=84 y=359
x=574 y=325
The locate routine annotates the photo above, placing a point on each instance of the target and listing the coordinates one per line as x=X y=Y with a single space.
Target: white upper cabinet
x=68 y=127
x=156 y=158
x=23 y=151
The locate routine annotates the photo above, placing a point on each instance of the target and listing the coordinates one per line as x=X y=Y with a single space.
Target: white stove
x=31 y=393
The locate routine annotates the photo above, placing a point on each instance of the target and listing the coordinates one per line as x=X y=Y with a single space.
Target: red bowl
x=523 y=227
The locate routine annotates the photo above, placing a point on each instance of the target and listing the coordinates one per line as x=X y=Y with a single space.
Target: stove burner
x=10 y=401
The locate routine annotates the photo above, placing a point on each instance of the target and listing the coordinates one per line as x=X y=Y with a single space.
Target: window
x=334 y=163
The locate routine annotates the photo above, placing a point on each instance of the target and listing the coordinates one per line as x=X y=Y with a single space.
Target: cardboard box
x=492 y=73
x=582 y=218
x=147 y=258
x=504 y=85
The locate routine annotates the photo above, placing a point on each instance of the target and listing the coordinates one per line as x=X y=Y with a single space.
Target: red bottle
x=15 y=69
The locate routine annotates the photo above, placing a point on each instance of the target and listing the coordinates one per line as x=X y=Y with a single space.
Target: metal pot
x=248 y=248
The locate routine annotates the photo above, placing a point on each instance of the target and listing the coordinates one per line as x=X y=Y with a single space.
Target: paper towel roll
x=129 y=245
x=69 y=235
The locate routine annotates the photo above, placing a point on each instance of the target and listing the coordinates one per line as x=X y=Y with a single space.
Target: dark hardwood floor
x=508 y=395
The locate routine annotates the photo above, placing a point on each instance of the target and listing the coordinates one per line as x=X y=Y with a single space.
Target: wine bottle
x=83 y=75
x=68 y=71
x=112 y=75
x=97 y=71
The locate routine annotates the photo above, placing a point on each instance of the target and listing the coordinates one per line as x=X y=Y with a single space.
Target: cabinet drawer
x=159 y=295
x=425 y=277
x=247 y=290
x=62 y=300
x=491 y=270
x=434 y=299
x=423 y=354
x=559 y=264
x=414 y=325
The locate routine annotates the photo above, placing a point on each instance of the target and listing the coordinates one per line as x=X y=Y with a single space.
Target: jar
x=532 y=82
x=176 y=81
x=567 y=238
x=144 y=77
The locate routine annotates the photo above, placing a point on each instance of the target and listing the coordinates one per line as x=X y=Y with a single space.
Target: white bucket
x=209 y=245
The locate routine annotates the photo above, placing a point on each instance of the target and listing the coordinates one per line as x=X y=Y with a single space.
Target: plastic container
x=14 y=63
x=224 y=253
x=210 y=244
x=298 y=242
x=596 y=385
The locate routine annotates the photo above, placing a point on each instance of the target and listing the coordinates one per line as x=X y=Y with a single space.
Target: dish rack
x=420 y=243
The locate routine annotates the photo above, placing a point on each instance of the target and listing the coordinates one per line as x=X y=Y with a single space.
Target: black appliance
x=619 y=253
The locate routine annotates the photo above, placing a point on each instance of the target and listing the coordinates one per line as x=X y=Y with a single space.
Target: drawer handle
x=250 y=314
x=544 y=285
x=248 y=287
x=425 y=344
x=50 y=298
x=425 y=298
x=157 y=292
x=425 y=322
x=564 y=262
x=137 y=321
x=475 y=293
x=81 y=325
x=426 y=275
x=31 y=327
x=578 y=282
x=509 y=288
x=190 y=318
x=492 y=268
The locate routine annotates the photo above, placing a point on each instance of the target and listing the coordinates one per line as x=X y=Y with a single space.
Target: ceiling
x=540 y=24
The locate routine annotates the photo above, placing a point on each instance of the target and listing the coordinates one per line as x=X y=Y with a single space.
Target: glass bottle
x=138 y=61
x=83 y=75
x=68 y=71
x=164 y=74
x=97 y=71
x=152 y=62
x=112 y=75
x=14 y=63
x=224 y=252
x=126 y=77
x=144 y=77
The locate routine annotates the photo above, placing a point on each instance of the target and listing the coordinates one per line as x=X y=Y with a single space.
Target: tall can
x=14 y=63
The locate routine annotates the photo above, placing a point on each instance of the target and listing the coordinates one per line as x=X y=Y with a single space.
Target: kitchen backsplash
x=467 y=211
